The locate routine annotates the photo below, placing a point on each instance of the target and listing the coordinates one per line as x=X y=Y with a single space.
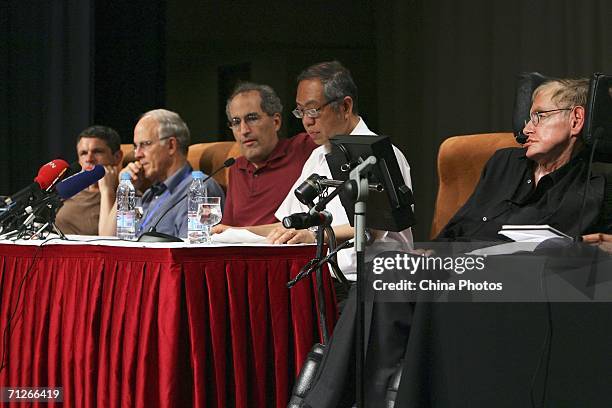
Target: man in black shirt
x=542 y=183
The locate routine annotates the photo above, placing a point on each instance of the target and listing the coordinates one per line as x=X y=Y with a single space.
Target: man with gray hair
x=268 y=167
x=161 y=142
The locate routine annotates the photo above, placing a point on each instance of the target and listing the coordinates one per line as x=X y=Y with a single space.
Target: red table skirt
x=204 y=327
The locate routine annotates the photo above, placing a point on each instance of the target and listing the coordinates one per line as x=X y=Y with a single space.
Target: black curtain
x=68 y=64
x=45 y=77
x=130 y=65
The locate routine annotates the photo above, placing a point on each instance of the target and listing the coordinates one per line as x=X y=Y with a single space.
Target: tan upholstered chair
x=460 y=163
x=128 y=153
x=206 y=157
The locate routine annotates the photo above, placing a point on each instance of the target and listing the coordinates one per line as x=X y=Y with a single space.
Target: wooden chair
x=460 y=163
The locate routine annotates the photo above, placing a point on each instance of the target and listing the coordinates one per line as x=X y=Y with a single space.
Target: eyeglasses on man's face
x=251 y=119
x=536 y=117
x=146 y=144
x=312 y=112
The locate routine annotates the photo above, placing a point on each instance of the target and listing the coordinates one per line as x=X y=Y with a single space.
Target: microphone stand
x=357 y=186
x=51 y=203
x=359 y=176
x=319 y=280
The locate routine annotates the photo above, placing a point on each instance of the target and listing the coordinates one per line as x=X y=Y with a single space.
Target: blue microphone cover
x=79 y=182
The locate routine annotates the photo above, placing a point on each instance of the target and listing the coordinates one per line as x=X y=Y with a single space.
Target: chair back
x=208 y=157
x=460 y=163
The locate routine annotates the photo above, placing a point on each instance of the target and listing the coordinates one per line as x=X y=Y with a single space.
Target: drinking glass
x=209 y=213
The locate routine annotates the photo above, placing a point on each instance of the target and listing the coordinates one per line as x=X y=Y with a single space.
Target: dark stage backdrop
x=426 y=70
x=45 y=79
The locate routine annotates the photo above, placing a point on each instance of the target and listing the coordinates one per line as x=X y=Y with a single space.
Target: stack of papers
x=237 y=236
x=525 y=237
x=531 y=233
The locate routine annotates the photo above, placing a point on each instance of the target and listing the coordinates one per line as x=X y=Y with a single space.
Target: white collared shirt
x=317 y=163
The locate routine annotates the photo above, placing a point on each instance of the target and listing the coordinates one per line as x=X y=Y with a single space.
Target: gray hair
x=337 y=82
x=565 y=92
x=171 y=124
x=270 y=102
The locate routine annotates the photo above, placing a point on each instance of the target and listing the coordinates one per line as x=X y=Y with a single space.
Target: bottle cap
x=125 y=176
x=197 y=175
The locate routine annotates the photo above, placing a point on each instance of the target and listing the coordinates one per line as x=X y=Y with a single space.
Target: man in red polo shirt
x=268 y=167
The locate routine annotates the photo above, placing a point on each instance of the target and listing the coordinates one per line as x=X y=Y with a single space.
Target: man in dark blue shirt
x=161 y=142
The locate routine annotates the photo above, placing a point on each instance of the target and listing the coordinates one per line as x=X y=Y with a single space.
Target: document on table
x=237 y=236
x=525 y=237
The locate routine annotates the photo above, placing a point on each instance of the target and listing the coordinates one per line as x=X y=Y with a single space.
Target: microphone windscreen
x=80 y=181
x=75 y=167
x=49 y=172
x=229 y=162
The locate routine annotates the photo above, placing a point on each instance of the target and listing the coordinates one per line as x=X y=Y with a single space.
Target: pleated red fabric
x=143 y=327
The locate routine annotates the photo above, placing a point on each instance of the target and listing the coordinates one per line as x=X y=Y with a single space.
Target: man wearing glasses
x=541 y=183
x=161 y=142
x=268 y=167
x=327 y=104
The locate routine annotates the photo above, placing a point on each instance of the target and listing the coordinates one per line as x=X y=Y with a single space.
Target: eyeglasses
x=251 y=119
x=312 y=112
x=536 y=117
x=144 y=146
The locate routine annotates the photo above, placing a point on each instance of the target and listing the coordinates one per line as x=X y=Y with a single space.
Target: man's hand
x=136 y=174
x=219 y=228
x=109 y=183
x=282 y=235
x=603 y=241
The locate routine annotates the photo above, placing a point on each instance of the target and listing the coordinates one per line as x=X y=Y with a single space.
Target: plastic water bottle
x=197 y=193
x=126 y=208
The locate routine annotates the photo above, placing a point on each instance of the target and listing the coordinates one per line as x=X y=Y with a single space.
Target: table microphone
x=307 y=220
x=48 y=175
x=153 y=236
x=75 y=184
x=64 y=190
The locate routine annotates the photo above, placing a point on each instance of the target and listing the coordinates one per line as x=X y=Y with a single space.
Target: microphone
x=47 y=176
x=65 y=189
x=310 y=189
x=228 y=163
x=307 y=220
x=79 y=182
x=153 y=236
x=75 y=167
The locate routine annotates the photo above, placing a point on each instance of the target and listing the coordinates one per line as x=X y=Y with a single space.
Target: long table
x=157 y=327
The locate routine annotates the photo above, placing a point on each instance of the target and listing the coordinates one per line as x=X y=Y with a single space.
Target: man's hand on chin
x=282 y=235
